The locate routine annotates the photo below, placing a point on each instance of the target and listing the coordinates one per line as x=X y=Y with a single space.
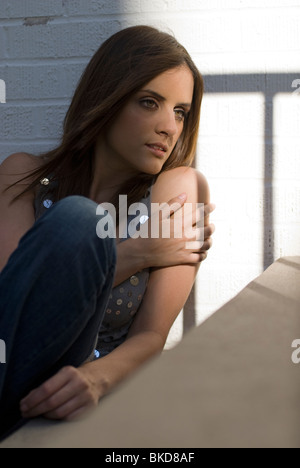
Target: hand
x=208 y=242
x=65 y=396
x=187 y=242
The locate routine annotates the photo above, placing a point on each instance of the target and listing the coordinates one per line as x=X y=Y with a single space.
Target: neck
x=109 y=175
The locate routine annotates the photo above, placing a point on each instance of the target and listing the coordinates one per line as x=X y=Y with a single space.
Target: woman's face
x=146 y=131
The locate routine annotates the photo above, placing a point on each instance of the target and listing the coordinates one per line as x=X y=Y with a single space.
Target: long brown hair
x=122 y=66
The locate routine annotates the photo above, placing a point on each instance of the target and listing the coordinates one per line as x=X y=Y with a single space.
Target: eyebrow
x=161 y=98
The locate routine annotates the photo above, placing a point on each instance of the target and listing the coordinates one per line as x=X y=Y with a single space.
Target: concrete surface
x=230 y=383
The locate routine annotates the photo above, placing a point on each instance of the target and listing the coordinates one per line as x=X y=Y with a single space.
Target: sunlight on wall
x=249 y=141
x=286 y=174
x=231 y=155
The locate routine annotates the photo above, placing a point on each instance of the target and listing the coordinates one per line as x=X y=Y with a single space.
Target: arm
x=72 y=391
x=18 y=217
x=137 y=254
x=167 y=292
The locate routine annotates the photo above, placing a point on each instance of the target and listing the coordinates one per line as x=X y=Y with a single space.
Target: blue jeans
x=53 y=296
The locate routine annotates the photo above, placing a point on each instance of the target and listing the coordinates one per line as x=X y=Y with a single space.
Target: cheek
x=128 y=128
x=177 y=137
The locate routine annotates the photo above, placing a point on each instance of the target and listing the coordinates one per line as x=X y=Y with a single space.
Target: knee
x=73 y=208
x=73 y=221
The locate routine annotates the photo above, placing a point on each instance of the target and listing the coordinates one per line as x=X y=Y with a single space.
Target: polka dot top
x=125 y=299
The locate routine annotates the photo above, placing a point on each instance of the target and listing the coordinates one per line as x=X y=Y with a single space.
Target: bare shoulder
x=172 y=183
x=17 y=216
x=16 y=167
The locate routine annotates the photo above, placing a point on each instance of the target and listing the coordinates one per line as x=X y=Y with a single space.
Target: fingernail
x=182 y=196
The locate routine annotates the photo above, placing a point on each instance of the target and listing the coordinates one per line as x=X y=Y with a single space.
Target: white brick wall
x=249 y=148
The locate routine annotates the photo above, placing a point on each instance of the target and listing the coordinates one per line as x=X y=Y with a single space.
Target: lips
x=158 y=146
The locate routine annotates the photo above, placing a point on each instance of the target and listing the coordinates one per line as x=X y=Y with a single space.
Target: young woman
x=65 y=292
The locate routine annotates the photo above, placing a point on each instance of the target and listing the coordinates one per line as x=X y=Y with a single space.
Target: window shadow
x=269 y=84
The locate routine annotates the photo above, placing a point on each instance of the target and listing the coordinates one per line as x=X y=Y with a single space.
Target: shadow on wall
x=269 y=84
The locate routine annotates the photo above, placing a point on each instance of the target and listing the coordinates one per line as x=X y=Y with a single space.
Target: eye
x=149 y=103
x=180 y=114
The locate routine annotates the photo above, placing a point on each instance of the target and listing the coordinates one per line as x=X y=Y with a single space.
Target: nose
x=167 y=124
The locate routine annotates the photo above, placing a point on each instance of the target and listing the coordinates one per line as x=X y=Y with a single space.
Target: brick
x=204 y=34
x=159 y=6
x=260 y=4
x=16 y=123
x=241 y=5
x=100 y=7
x=30 y=8
x=2 y=43
x=286 y=161
x=231 y=235
x=287 y=114
x=271 y=30
x=242 y=159
x=204 y=5
x=287 y=240
x=29 y=122
x=2 y=92
x=228 y=279
x=286 y=196
x=50 y=40
x=49 y=121
x=232 y=114
x=46 y=81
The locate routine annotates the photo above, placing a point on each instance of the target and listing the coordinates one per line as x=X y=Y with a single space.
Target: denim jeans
x=53 y=295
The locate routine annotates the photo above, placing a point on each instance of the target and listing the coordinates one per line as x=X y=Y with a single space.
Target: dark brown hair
x=122 y=66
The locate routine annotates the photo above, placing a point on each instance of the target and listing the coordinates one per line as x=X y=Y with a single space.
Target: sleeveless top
x=125 y=299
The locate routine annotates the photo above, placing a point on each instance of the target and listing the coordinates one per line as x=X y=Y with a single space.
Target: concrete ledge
x=230 y=383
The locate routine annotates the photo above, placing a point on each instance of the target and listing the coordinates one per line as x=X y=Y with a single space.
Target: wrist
x=136 y=253
x=99 y=377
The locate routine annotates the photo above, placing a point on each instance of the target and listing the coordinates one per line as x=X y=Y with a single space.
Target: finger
x=195 y=214
x=56 y=403
x=209 y=208
x=194 y=234
x=209 y=231
x=84 y=409
x=38 y=397
x=163 y=211
x=200 y=234
x=177 y=203
x=207 y=245
x=40 y=394
x=203 y=256
x=76 y=414
x=67 y=410
x=195 y=246
x=197 y=258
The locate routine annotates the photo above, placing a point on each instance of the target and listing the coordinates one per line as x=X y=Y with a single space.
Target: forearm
x=130 y=260
x=112 y=369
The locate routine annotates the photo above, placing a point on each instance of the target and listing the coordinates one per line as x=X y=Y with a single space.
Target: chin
x=153 y=169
